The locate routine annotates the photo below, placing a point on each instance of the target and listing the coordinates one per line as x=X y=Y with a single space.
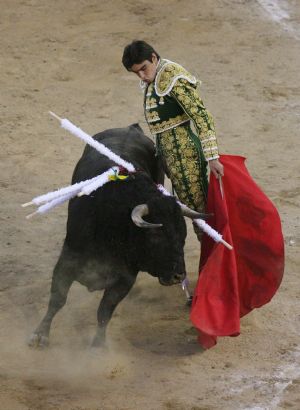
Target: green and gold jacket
x=172 y=99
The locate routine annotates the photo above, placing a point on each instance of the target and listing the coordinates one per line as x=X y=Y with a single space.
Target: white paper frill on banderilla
x=54 y=198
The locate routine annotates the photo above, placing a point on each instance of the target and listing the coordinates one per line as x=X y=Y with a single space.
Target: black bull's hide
x=103 y=248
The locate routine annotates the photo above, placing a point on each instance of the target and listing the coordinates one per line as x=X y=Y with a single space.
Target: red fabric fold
x=232 y=283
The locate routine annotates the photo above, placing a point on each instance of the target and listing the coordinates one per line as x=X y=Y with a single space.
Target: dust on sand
x=65 y=56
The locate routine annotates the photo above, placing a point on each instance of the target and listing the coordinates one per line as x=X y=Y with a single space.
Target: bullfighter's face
x=146 y=70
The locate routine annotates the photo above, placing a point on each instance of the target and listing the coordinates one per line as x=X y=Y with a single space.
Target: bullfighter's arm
x=187 y=96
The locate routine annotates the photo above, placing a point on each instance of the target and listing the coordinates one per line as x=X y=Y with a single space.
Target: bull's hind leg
x=111 y=298
x=61 y=282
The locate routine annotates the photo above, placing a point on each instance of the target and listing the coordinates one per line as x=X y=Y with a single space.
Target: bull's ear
x=137 y=217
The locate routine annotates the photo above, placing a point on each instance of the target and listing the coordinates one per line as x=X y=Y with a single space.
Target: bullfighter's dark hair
x=137 y=52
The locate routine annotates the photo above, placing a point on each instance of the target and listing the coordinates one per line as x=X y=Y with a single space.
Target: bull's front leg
x=61 y=283
x=111 y=298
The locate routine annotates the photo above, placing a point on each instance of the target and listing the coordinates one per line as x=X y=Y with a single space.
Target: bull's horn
x=137 y=217
x=189 y=213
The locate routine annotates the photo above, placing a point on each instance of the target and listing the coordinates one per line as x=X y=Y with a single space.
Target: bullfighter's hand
x=216 y=168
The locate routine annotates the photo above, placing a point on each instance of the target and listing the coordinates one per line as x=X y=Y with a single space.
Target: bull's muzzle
x=173 y=280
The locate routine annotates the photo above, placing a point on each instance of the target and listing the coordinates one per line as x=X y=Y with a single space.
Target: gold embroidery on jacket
x=151 y=103
x=167 y=76
x=189 y=100
x=185 y=169
x=152 y=116
x=165 y=125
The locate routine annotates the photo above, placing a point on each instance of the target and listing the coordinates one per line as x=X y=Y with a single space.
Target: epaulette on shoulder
x=167 y=76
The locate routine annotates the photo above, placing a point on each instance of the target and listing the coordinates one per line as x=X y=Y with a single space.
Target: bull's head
x=142 y=210
x=165 y=239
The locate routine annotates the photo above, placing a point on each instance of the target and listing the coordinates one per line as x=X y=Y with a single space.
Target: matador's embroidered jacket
x=171 y=103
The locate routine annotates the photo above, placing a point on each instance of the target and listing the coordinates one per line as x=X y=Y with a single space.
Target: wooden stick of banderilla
x=212 y=233
x=184 y=285
x=226 y=244
x=55 y=116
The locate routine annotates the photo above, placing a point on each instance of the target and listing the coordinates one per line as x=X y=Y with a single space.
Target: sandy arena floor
x=65 y=56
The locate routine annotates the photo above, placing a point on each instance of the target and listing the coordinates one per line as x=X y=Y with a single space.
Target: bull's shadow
x=156 y=319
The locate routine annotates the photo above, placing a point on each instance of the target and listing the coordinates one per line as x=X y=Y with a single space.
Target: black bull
x=106 y=244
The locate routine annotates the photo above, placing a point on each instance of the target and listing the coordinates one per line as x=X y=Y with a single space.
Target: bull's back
x=130 y=143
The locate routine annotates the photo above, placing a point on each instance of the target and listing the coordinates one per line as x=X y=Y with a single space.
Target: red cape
x=232 y=283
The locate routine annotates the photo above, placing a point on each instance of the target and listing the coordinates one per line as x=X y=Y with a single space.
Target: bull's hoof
x=37 y=340
x=98 y=342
